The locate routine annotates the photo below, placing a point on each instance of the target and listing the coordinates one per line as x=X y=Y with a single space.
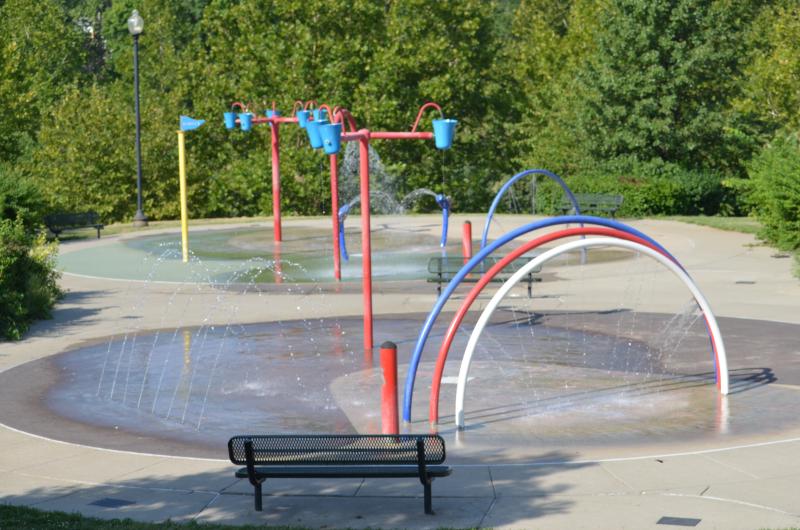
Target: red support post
x=390 y=423
x=337 y=260
x=366 y=246
x=276 y=183
x=466 y=241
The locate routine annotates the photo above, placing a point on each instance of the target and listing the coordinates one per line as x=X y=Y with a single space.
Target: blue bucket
x=331 y=135
x=302 y=117
x=312 y=128
x=320 y=114
x=230 y=120
x=246 y=121
x=271 y=113
x=443 y=133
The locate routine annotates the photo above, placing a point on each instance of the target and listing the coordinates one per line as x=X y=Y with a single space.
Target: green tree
x=550 y=40
x=443 y=52
x=41 y=55
x=660 y=84
x=770 y=99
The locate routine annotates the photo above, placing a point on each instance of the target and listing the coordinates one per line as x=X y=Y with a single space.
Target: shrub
x=775 y=173
x=653 y=188
x=20 y=198
x=28 y=287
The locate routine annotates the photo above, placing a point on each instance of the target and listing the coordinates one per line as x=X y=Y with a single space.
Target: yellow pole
x=184 y=215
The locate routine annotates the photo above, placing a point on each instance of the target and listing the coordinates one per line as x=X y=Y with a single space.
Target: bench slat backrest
x=339 y=449
x=440 y=265
x=72 y=219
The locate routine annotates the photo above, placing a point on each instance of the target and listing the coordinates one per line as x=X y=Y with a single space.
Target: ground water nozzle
x=444 y=204
x=342 y=216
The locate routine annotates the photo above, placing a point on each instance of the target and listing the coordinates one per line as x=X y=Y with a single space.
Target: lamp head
x=135 y=23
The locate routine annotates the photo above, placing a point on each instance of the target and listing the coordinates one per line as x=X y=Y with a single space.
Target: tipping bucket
x=273 y=113
x=230 y=120
x=246 y=121
x=312 y=128
x=302 y=117
x=320 y=114
x=443 y=132
x=331 y=135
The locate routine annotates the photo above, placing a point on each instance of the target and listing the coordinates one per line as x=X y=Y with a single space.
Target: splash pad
x=573 y=367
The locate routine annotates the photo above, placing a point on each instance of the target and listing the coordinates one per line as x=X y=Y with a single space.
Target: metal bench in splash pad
x=339 y=456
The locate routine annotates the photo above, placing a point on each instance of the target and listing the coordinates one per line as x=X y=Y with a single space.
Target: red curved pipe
x=240 y=105
x=326 y=107
x=340 y=115
x=296 y=106
x=310 y=104
x=433 y=413
x=422 y=109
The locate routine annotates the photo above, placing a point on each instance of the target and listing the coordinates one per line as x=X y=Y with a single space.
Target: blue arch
x=515 y=178
x=478 y=258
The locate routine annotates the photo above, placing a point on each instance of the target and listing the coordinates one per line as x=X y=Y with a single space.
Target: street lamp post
x=135 y=27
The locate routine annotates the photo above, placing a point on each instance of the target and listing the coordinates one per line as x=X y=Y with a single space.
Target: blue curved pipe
x=342 y=216
x=478 y=258
x=515 y=178
x=444 y=204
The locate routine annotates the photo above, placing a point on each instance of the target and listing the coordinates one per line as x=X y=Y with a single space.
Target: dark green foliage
x=20 y=198
x=651 y=98
x=775 y=173
x=28 y=286
x=648 y=189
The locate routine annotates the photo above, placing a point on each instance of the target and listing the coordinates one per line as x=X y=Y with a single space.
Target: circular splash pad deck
x=553 y=385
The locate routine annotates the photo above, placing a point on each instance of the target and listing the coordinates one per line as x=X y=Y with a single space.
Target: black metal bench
x=603 y=203
x=443 y=269
x=339 y=456
x=58 y=222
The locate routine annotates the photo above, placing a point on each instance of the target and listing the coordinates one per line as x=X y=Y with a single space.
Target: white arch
x=721 y=360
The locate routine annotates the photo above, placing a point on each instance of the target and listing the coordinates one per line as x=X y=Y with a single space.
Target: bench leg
x=428 y=501
x=257 y=488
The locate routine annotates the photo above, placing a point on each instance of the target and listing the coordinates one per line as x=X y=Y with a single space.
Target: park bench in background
x=58 y=222
x=442 y=270
x=339 y=456
x=602 y=203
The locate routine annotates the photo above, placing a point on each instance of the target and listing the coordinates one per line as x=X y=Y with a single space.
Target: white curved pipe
x=721 y=360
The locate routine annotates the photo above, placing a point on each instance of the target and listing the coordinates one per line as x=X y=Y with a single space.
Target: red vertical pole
x=337 y=265
x=390 y=423
x=276 y=182
x=366 y=249
x=466 y=240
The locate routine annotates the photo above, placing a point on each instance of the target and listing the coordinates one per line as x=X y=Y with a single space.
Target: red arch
x=433 y=413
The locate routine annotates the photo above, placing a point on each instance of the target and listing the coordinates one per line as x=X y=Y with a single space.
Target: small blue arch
x=515 y=178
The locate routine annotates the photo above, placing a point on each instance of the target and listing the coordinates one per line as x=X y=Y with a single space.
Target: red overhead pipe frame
x=363 y=137
x=275 y=122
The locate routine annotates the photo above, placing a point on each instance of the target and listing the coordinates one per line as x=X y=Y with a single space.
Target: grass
x=746 y=225
x=14 y=517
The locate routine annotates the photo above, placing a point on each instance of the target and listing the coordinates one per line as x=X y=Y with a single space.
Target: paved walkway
x=747 y=484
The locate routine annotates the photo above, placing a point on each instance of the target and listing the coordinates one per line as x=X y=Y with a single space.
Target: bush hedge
x=28 y=279
x=648 y=189
x=775 y=176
